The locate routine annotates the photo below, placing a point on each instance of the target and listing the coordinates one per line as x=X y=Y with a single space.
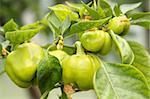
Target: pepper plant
x=99 y=28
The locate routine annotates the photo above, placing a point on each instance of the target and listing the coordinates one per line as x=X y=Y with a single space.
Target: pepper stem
x=60 y=43
x=79 y=47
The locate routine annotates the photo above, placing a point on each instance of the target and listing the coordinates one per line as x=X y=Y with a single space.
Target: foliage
x=125 y=80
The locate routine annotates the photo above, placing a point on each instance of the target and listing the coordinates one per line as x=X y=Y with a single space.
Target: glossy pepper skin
x=93 y=40
x=107 y=44
x=79 y=68
x=119 y=25
x=97 y=41
x=22 y=63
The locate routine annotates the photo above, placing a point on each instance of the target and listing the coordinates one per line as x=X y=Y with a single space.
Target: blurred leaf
x=5 y=44
x=85 y=25
x=142 y=59
x=30 y=26
x=48 y=74
x=20 y=36
x=78 y=7
x=65 y=25
x=128 y=7
x=91 y=11
x=101 y=12
x=62 y=11
x=54 y=23
x=2 y=32
x=117 y=10
x=106 y=7
x=52 y=18
x=1 y=38
x=56 y=31
x=138 y=15
x=141 y=19
x=10 y=26
x=51 y=46
x=2 y=65
x=125 y=51
x=75 y=6
x=120 y=81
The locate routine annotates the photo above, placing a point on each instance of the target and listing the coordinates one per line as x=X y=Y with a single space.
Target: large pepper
x=79 y=68
x=96 y=41
x=21 y=64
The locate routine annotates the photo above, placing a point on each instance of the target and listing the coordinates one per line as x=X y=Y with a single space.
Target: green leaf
x=56 y=31
x=141 y=18
x=106 y=7
x=78 y=7
x=75 y=6
x=1 y=38
x=48 y=74
x=128 y=7
x=52 y=18
x=2 y=65
x=137 y=15
x=65 y=25
x=117 y=10
x=51 y=46
x=95 y=15
x=144 y=23
x=31 y=26
x=10 y=26
x=85 y=25
x=62 y=11
x=142 y=59
x=20 y=36
x=54 y=23
x=120 y=81
x=69 y=49
x=101 y=12
x=2 y=32
x=5 y=44
x=125 y=51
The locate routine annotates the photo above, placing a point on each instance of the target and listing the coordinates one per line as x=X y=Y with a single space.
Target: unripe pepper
x=79 y=68
x=119 y=25
x=97 y=41
x=107 y=44
x=93 y=40
x=22 y=63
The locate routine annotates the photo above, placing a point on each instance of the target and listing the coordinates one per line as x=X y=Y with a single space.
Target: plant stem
x=79 y=47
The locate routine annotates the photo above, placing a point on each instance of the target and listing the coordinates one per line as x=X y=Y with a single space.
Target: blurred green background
x=28 y=11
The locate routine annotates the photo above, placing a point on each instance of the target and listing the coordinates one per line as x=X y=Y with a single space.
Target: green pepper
x=119 y=25
x=107 y=44
x=79 y=68
x=96 y=41
x=93 y=40
x=21 y=64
